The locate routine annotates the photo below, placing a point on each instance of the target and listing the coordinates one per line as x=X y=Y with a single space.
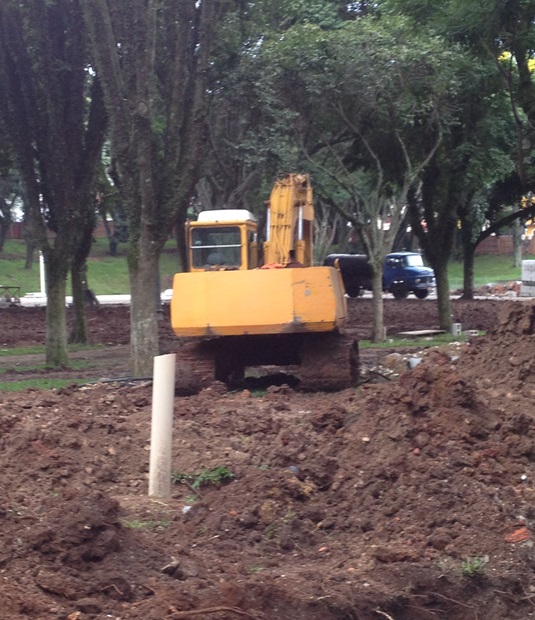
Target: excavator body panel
x=257 y=301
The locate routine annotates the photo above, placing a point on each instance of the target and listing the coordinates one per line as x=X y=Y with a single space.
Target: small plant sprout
x=474 y=567
x=214 y=476
x=138 y=524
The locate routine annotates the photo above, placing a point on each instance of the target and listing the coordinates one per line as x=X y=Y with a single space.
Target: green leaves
x=215 y=476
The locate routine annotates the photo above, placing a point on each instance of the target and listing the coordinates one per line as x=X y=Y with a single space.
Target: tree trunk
x=468 y=271
x=518 y=231
x=31 y=246
x=56 y=317
x=443 y=296
x=79 y=333
x=143 y=317
x=84 y=241
x=469 y=251
x=154 y=66
x=181 y=242
x=378 y=333
x=403 y=238
x=30 y=236
x=4 y=228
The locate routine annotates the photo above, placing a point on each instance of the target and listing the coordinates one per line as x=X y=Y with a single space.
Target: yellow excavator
x=235 y=312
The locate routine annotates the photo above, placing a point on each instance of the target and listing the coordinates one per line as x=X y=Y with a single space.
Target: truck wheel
x=354 y=292
x=422 y=293
x=400 y=291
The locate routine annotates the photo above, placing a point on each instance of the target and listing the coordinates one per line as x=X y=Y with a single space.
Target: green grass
x=488 y=269
x=35 y=367
x=109 y=275
x=212 y=476
x=40 y=349
x=73 y=365
x=106 y=275
x=422 y=341
x=138 y=524
x=37 y=384
x=37 y=349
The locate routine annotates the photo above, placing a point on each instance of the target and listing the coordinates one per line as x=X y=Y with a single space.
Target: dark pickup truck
x=403 y=273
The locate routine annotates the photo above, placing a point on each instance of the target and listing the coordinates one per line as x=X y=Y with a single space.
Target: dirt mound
x=408 y=499
x=517 y=319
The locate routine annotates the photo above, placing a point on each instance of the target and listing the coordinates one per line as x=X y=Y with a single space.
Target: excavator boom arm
x=290 y=220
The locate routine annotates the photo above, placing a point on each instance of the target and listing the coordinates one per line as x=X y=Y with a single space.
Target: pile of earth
x=407 y=499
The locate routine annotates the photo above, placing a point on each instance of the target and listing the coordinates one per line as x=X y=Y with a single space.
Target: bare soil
x=409 y=497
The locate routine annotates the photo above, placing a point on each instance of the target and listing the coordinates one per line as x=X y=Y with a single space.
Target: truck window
x=414 y=260
x=220 y=245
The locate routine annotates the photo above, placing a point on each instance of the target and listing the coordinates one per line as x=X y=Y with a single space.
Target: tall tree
x=153 y=58
x=501 y=36
x=372 y=109
x=56 y=135
x=472 y=155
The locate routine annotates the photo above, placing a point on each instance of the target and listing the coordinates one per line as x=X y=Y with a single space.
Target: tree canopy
x=398 y=108
x=374 y=106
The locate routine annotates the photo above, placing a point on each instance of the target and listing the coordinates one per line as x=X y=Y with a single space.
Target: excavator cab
x=223 y=240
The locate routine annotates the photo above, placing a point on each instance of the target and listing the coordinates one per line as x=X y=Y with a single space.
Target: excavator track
x=195 y=367
x=329 y=363
x=325 y=362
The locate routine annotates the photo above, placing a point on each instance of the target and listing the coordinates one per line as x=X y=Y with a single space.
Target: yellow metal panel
x=259 y=301
x=288 y=197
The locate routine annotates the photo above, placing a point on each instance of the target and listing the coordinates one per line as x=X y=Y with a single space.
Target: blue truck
x=403 y=273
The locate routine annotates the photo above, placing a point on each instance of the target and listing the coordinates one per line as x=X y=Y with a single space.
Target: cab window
x=219 y=245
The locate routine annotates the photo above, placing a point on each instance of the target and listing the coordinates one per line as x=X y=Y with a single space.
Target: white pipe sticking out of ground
x=163 y=398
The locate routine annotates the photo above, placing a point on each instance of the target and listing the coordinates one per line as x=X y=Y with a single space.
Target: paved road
x=37 y=299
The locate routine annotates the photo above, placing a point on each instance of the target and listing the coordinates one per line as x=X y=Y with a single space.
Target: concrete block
x=527 y=289
x=528 y=270
x=456 y=329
